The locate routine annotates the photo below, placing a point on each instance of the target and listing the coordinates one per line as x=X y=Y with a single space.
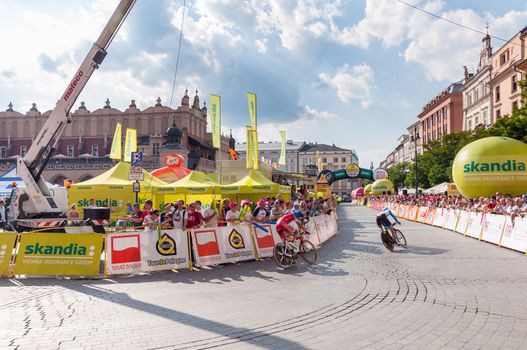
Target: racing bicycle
x=388 y=240
x=286 y=253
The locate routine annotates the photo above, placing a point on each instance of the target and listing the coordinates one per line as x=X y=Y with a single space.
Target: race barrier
x=130 y=252
x=502 y=230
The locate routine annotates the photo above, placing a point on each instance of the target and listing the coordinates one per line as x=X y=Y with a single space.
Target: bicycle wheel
x=282 y=256
x=308 y=252
x=387 y=241
x=400 y=239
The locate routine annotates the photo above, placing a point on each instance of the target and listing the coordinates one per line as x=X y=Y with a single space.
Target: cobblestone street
x=443 y=291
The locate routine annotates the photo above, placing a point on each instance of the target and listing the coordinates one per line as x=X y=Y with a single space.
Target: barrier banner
x=440 y=217
x=515 y=238
x=7 y=243
x=218 y=245
x=421 y=214
x=313 y=234
x=265 y=241
x=146 y=251
x=492 y=228
x=451 y=220
x=400 y=212
x=475 y=224
x=59 y=254
x=325 y=227
x=430 y=215
x=507 y=228
x=462 y=222
x=407 y=209
x=236 y=243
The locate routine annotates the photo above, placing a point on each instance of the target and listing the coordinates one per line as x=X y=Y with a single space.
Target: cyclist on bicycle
x=289 y=224
x=383 y=220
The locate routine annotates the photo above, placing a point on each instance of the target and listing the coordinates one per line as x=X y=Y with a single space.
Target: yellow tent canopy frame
x=112 y=188
x=255 y=184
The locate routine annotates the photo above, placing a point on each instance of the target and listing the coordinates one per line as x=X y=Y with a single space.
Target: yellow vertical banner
x=215 y=120
x=116 y=149
x=251 y=99
x=254 y=145
x=249 y=151
x=7 y=242
x=130 y=144
x=281 y=161
x=319 y=163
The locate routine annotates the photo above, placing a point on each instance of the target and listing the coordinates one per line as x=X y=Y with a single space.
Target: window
x=324 y=160
x=514 y=84
x=3 y=152
x=504 y=57
x=470 y=124
x=476 y=120
x=476 y=93
x=343 y=159
x=95 y=150
x=335 y=159
x=485 y=118
x=515 y=105
x=23 y=151
x=155 y=148
x=71 y=151
x=497 y=93
x=498 y=114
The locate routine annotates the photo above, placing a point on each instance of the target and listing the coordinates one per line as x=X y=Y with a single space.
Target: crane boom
x=49 y=135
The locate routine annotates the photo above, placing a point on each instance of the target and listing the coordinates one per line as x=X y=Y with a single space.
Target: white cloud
x=405 y=104
x=352 y=85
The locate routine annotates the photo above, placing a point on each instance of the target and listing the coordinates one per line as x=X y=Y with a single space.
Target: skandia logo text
x=509 y=165
x=71 y=249
x=73 y=85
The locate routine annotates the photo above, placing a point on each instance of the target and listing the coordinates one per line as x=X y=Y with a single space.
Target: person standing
x=193 y=218
x=232 y=215
x=210 y=216
x=151 y=221
x=3 y=218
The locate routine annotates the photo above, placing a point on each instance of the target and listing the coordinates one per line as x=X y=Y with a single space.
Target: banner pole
x=253 y=239
x=12 y=259
x=189 y=247
x=106 y=275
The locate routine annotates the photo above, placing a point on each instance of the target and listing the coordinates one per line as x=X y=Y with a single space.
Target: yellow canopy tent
x=112 y=188
x=195 y=186
x=254 y=186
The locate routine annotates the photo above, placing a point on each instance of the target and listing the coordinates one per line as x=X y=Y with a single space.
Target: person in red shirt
x=193 y=218
x=288 y=224
x=146 y=209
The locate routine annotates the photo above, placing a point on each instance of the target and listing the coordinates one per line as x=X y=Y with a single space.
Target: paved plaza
x=444 y=291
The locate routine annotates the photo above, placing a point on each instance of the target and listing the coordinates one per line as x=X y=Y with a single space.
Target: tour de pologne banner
x=219 y=245
x=475 y=224
x=251 y=100
x=248 y=148
x=281 y=161
x=132 y=252
x=492 y=228
x=115 y=152
x=462 y=222
x=265 y=238
x=7 y=242
x=215 y=119
x=59 y=254
x=515 y=237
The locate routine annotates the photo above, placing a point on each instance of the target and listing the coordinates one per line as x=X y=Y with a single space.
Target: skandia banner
x=490 y=165
x=7 y=243
x=215 y=120
x=281 y=161
x=146 y=251
x=115 y=152
x=59 y=254
x=251 y=100
x=130 y=144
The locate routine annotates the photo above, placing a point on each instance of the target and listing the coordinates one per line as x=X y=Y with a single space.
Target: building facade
x=442 y=115
x=269 y=153
x=477 y=100
x=508 y=67
x=331 y=157
x=82 y=152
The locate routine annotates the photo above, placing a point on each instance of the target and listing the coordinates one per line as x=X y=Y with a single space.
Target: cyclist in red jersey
x=288 y=224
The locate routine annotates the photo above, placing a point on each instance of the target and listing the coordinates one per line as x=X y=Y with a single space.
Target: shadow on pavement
x=421 y=250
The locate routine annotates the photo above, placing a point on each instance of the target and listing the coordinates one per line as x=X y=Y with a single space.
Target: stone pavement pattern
x=444 y=291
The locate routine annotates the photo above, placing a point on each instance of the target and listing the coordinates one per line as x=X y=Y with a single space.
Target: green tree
x=398 y=173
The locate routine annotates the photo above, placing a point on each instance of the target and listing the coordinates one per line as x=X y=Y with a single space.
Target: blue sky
x=350 y=72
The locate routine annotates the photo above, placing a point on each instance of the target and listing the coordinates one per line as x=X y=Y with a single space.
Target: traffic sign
x=136 y=167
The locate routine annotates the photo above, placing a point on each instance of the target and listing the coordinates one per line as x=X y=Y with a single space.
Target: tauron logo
x=509 y=165
x=71 y=249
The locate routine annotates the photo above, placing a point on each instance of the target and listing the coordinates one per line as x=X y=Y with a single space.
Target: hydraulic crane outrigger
x=36 y=200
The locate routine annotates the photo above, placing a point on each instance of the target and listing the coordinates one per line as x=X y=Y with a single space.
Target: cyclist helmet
x=298 y=213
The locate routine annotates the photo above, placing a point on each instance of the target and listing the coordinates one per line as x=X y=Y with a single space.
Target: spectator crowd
x=497 y=204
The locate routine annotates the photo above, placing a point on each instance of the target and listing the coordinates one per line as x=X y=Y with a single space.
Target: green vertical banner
x=215 y=120
x=249 y=150
x=251 y=99
x=281 y=161
x=254 y=145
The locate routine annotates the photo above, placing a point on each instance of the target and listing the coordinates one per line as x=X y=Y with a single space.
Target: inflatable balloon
x=382 y=186
x=368 y=190
x=320 y=194
x=359 y=192
x=490 y=165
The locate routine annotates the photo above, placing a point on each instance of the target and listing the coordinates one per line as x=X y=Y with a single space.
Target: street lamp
x=415 y=138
